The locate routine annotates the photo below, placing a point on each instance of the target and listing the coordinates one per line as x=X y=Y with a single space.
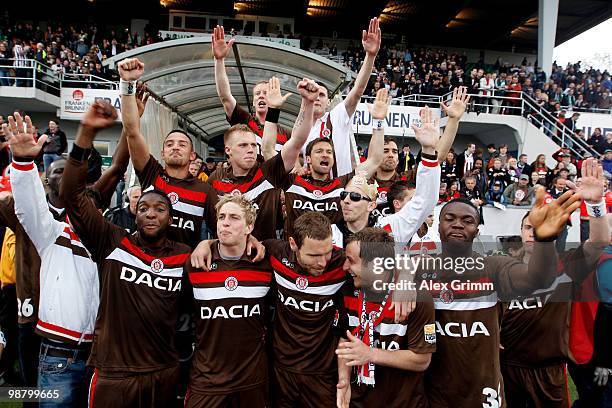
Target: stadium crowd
x=90 y=306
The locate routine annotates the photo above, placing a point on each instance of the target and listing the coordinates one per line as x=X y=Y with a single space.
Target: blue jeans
x=49 y=158
x=68 y=375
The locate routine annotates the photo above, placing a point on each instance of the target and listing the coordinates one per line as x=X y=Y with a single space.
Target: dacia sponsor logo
x=316 y=206
x=391 y=345
x=233 y=312
x=286 y=262
x=143 y=278
x=454 y=329
x=535 y=302
x=179 y=222
x=304 y=305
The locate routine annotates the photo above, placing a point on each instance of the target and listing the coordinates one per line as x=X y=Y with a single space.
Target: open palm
x=220 y=48
x=21 y=137
x=371 y=39
x=592 y=181
x=459 y=102
x=549 y=219
x=428 y=133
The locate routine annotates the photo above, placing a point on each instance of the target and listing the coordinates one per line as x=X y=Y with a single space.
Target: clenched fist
x=130 y=69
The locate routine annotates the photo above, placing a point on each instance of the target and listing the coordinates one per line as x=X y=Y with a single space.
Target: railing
x=29 y=73
x=589 y=110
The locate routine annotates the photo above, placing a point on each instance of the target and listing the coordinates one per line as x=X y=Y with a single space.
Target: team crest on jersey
x=382 y=195
x=430 y=333
x=173 y=197
x=301 y=282
x=447 y=296
x=372 y=316
x=236 y=193
x=317 y=193
x=157 y=265
x=231 y=283
x=326 y=133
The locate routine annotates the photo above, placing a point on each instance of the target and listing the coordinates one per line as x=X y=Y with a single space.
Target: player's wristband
x=378 y=124
x=429 y=156
x=2 y=339
x=272 y=115
x=79 y=154
x=596 y=210
x=127 y=87
x=23 y=159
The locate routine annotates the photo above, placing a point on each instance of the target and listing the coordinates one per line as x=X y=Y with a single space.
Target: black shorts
x=134 y=390
x=291 y=390
x=536 y=387
x=251 y=398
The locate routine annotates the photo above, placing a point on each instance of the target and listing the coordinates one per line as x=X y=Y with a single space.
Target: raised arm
x=130 y=71
x=591 y=188
x=371 y=44
x=275 y=101
x=28 y=192
x=121 y=158
x=377 y=142
x=454 y=111
x=220 y=51
x=309 y=91
x=94 y=231
x=548 y=220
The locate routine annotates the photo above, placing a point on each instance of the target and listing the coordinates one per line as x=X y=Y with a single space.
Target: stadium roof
x=181 y=73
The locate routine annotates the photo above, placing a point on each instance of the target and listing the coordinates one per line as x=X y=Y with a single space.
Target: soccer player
x=465 y=370
x=141 y=276
x=230 y=366
x=535 y=329
x=389 y=357
x=255 y=180
x=193 y=201
x=336 y=124
x=235 y=113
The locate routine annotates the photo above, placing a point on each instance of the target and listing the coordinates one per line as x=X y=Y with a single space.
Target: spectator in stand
x=471 y=192
x=490 y=155
x=558 y=187
x=125 y=217
x=607 y=160
x=513 y=171
x=443 y=194
x=571 y=167
x=523 y=164
x=498 y=174
x=449 y=169
x=503 y=154
x=486 y=87
x=607 y=143
x=479 y=174
x=596 y=140
x=465 y=161
x=519 y=193
x=406 y=160
x=535 y=180
x=211 y=166
x=500 y=90
x=514 y=89
x=5 y=62
x=495 y=193
x=56 y=144
x=539 y=166
x=454 y=191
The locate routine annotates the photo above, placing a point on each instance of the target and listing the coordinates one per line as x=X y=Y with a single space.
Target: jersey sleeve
x=421 y=333
x=239 y=115
x=405 y=223
x=151 y=170
x=31 y=206
x=274 y=171
x=341 y=136
x=7 y=211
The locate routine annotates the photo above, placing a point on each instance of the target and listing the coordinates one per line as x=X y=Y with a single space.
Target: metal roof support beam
x=241 y=72
x=547 y=29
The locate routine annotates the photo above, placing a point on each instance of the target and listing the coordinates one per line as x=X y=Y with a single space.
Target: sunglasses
x=356 y=197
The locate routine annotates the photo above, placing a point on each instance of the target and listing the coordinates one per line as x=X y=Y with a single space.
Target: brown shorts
x=252 y=398
x=156 y=389
x=536 y=387
x=291 y=390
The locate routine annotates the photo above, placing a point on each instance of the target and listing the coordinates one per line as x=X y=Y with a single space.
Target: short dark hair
x=316 y=141
x=373 y=243
x=324 y=86
x=240 y=127
x=159 y=193
x=312 y=225
x=388 y=140
x=490 y=146
x=397 y=191
x=462 y=200
x=181 y=132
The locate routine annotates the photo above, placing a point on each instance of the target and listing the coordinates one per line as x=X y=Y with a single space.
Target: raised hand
x=274 y=97
x=130 y=69
x=142 y=96
x=21 y=136
x=592 y=182
x=380 y=107
x=220 y=48
x=371 y=39
x=100 y=115
x=549 y=219
x=308 y=89
x=428 y=133
x=459 y=102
